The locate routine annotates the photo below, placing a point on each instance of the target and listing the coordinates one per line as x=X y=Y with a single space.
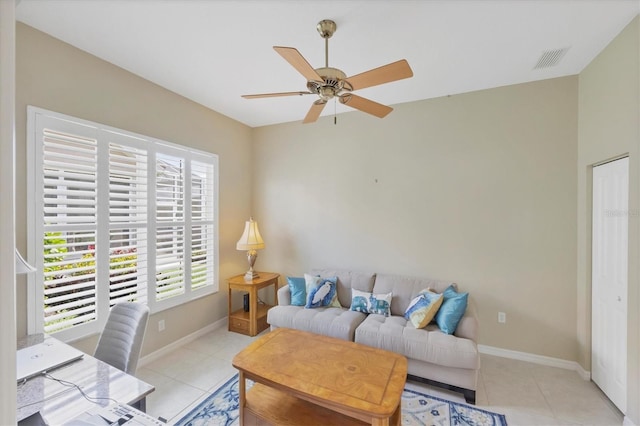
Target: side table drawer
x=239 y=325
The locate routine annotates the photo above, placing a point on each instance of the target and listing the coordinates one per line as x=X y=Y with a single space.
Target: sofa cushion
x=423 y=308
x=405 y=289
x=429 y=344
x=334 y=322
x=452 y=310
x=347 y=280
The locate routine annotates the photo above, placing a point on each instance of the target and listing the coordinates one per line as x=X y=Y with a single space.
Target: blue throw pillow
x=320 y=291
x=451 y=310
x=298 y=291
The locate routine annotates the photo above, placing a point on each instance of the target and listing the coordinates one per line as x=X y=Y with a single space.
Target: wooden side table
x=254 y=321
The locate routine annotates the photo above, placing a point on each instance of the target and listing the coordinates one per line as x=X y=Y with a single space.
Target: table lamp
x=251 y=241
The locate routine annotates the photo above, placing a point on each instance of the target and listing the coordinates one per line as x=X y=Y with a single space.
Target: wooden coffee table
x=301 y=376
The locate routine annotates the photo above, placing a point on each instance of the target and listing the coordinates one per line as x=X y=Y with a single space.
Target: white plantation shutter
x=127 y=220
x=110 y=211
x=202 y=222
x=170 y=226
x=69 y=176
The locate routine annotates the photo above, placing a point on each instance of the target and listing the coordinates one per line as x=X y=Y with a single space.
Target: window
x=115 y=217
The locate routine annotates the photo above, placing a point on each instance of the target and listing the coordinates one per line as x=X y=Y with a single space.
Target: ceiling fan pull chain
x=335 y=115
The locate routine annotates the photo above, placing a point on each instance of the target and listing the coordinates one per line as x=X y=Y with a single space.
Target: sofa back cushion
x=405 y=289
x=347 y=280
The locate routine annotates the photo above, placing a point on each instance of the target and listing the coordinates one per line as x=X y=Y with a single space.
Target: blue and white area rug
x=221 y=409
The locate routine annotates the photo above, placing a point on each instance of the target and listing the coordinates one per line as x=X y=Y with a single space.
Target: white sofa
x=449 y=361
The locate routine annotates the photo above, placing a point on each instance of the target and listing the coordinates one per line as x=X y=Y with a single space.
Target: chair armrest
x=469 y=324
x=284 y=295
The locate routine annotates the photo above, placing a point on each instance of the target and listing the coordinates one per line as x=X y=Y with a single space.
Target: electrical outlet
x=161 y=325
x=502 y=317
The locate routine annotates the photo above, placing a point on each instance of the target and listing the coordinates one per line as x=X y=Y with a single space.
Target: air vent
x=550 y=58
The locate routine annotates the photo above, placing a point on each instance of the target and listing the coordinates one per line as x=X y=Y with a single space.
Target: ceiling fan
x=329 y=82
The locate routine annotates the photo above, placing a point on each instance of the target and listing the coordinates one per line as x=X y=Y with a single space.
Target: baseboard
x=181 y=342
x=536 y=359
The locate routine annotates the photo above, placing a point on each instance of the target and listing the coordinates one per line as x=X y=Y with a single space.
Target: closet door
x=609 y=279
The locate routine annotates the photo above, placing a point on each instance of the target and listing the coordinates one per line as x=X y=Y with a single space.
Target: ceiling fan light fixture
x=327 y=92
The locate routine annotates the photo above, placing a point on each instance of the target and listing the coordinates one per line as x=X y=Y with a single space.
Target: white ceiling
x=214 y=51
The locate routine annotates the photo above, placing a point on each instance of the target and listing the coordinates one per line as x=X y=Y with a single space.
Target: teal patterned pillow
x=370 y=303
x=298 y=290
x=320 y=291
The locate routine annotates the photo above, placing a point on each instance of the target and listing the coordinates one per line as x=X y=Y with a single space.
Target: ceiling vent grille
x=550 y=58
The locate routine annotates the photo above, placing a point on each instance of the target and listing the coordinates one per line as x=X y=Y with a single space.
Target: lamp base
x=251 y=275
x=252 y=255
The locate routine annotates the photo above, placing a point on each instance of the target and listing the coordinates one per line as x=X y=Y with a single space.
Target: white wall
x=478 y=188
x=7 y=242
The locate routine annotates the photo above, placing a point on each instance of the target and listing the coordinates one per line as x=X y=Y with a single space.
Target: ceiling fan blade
x=298 y=61
x=314 y=112
x=273 y=95
x=365 y=105
x=384 y=74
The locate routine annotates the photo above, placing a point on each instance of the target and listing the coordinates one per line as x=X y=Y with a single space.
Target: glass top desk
x=58 y=403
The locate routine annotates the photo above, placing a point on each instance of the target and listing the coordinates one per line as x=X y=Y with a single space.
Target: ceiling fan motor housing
x=333 y=82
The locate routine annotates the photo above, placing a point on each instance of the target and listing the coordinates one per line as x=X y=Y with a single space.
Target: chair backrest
x=121 y=340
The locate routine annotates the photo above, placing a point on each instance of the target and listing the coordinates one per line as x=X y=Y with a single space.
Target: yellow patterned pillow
x=423 y=308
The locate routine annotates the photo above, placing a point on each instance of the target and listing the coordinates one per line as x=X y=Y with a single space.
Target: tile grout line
x=546 y=401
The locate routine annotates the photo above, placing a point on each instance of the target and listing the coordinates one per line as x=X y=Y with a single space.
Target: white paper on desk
x=114 y=414
x=86 y=419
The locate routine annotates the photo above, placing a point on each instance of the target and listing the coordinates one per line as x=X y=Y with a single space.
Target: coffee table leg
x=243 y=398
x=396 y=419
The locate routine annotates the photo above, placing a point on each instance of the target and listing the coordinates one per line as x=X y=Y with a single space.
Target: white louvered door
x=609 y=279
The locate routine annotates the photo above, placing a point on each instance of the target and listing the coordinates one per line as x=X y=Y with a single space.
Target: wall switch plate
x=161 y=325
x=502 y=317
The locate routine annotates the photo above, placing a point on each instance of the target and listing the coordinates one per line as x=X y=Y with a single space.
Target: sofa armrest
x=469 y=324
x=284 y=295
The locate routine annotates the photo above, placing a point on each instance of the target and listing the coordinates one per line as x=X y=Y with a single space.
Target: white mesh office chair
x=121 y=340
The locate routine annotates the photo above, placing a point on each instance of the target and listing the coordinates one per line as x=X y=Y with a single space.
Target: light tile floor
x=528 y=394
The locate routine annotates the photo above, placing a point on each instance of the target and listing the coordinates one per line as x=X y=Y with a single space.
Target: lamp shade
x=22 y=267
x=251 y=238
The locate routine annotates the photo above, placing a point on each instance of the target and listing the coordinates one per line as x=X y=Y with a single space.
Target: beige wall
x=56 y=76
x=609 y=111
x=478 y=188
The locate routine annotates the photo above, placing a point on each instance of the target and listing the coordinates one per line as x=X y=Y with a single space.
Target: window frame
x=105 y=135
